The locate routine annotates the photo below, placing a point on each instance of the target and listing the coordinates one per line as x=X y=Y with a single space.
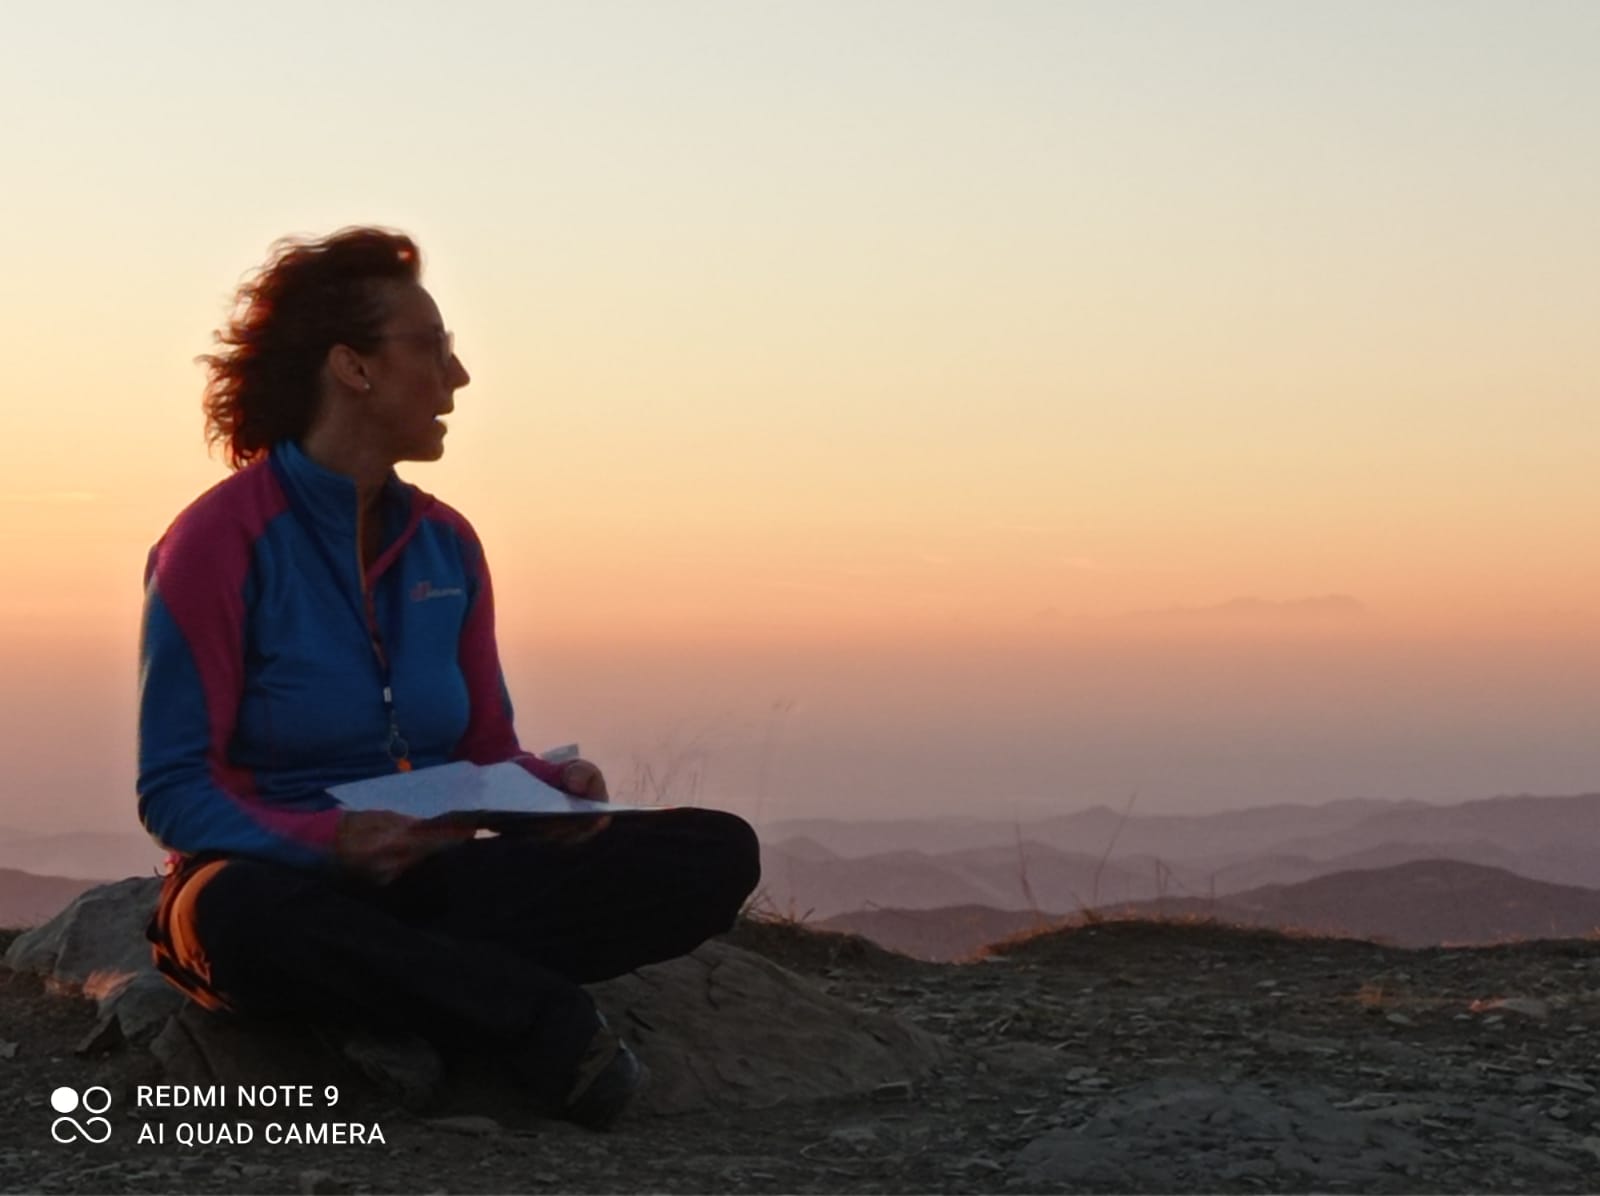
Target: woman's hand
x=580 y=778
x=380 y=844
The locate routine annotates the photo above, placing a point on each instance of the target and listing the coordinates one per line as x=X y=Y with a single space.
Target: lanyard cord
x=397 y=746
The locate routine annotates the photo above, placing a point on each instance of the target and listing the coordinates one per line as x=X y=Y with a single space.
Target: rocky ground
x=1118 y=1057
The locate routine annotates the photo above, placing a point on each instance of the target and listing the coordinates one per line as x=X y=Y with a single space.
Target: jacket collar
x=326 y=501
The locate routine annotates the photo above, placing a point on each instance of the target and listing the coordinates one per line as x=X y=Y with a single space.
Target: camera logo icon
x=94 y=1101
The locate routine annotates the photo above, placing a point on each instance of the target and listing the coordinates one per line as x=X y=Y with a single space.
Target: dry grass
x=803 y=948
x=761 y=907
x=789 y=940
x=1198 y=926
x=1371 y=995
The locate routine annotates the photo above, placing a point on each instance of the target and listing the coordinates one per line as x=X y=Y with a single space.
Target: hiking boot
x=607 y=1077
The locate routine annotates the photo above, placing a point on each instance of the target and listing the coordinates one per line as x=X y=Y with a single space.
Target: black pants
x=482 y=945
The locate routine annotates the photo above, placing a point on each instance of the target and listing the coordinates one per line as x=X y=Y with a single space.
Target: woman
x=314 y=620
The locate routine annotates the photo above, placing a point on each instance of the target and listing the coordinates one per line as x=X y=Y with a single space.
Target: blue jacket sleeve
x=191 y=676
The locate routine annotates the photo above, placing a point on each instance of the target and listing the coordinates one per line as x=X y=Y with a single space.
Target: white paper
x=463 y=788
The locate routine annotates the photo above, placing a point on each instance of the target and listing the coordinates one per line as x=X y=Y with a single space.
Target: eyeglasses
x=444 y=343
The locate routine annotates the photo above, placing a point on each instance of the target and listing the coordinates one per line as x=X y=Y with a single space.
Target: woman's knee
x=730 y=854
x=744 y=852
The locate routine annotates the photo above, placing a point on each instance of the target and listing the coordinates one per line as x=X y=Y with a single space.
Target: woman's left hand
x=580 y=778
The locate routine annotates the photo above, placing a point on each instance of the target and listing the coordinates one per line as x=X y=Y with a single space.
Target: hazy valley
x=1405 y=872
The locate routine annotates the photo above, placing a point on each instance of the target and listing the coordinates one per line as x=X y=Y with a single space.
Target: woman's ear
x=348 y=369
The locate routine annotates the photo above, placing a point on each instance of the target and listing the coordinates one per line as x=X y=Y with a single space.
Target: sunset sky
x=878 y=408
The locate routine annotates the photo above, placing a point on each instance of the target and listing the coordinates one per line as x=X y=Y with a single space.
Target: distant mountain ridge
x=83 y=855
x=28 y=900
x=1421 y=904
x=1557 y=837
x=1091 y=830
x=1035 y=876
x=1098 y=856
x=1063 y=864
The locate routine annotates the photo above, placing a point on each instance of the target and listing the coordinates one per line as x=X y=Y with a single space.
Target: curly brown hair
x=262 y=386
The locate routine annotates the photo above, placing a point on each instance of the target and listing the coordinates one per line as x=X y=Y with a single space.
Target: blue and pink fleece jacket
x=259 y=685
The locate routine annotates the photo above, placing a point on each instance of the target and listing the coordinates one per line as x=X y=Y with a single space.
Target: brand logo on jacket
x=426 y=591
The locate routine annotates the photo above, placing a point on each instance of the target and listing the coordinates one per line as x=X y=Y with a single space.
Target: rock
x=97 y=944
x=320 y=1183
x=1526 y=1006
x=1022 y=1057
x=1534 y=1162
x=1249 y=1169
x=856 y=1137
x=978 y=1162
x=405 y=1067
x=725 y=1027
x=1570 y=1084
x=1189 y=1118
x=894 y=1090
x=1284 y=1043
x=473 y=1126
x=104 y=1036
x=144 y=1005
x=722 y=1027
x=96 y=941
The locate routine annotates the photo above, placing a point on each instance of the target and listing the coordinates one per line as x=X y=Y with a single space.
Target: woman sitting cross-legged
x=313 y=620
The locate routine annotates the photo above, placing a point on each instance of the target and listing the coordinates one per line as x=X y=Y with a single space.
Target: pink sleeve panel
x=200 y=570
x=491 y=736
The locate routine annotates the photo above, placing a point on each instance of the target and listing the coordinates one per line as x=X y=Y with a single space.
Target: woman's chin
x=427 y=452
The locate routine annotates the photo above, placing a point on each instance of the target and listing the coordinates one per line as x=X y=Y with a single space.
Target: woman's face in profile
x=414 y=374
